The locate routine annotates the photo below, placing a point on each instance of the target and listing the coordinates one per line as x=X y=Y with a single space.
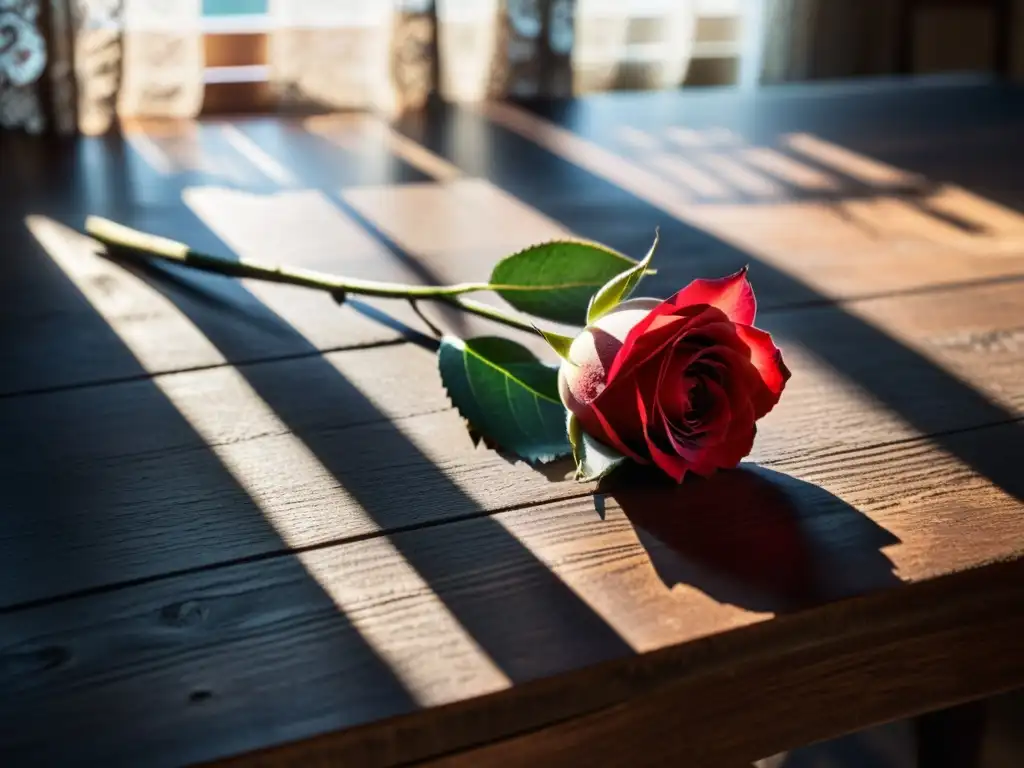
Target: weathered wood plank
x=312 y=446
x=350 y=635
x=908 y=129
x=371 y=225
x=69 y=312
x=896 y=669
x=141 y=629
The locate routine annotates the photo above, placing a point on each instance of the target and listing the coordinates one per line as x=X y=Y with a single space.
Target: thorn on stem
x=339 y=296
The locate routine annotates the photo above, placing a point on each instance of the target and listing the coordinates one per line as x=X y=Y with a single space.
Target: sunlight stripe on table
x=146 y=148
x=687 y=138
x=688 y=175
x=114 y=293
x=896 y=219
x=720 y=136
x=192 y=147
x=642 y=182
x=419 y=157
x=408 y=601
x=853 y=164
x=300 y=226
x=273 y=486
x=252 y=152
x=445 y=233
x=743 y=178
x=795 y=237
x=464 y=216
x=172 y=146
x=787 y=169
x=637 y=139
x=692 y=138
x=991 y=218
x=352 y=131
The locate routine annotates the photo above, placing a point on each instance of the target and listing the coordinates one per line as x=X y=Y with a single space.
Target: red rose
x=679 y=382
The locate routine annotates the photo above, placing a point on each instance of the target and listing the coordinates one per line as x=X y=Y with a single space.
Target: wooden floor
x=236 y=515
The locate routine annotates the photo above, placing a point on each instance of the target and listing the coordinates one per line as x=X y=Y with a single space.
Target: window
x=235 y=43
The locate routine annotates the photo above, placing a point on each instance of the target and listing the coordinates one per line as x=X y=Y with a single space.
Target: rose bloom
x=680 y=382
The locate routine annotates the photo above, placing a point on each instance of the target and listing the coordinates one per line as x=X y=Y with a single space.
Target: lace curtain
x=35 y=65
x=76 y=64
x=81 y=63
x=389 y=56
x=368 y=53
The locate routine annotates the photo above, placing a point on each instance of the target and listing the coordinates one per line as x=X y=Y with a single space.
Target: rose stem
x=130 y=241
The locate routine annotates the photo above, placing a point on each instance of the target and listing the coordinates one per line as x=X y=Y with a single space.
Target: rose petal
x=740 y=440
x=707 y=461
x=672 y=397
x=700 y=461
x=654 y=332
x=647 y=338
x=767 y=359
x=676 y=440
x=726 y=453
x=674 y=466
x=613 y=419
x=596 y=424
x=740 y=378
x=718 y=418
x=732 y=294
x=729 y=454
x=716 y=332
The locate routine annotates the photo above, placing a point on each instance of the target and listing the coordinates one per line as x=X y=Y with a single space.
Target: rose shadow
x=754 y=537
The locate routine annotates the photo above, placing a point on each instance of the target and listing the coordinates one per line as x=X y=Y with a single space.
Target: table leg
x=951 y=738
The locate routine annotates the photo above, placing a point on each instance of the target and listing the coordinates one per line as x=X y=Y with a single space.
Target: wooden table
x=237 y=519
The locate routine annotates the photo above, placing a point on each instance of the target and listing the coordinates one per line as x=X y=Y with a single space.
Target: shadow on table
x=930 y=399
x=764 y=539
x=237 y=324
x=110 y=486
x=536 y=601
x=885 y=746
x=97 y=537
x=755 y=538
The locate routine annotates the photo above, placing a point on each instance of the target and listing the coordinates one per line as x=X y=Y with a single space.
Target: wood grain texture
x=353 y=634
x=891 y=671
x=355 y=205
x=244 y=541
x=233 y=463
x=57 y=323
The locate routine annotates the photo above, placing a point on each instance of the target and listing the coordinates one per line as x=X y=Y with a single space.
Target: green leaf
x=555 y=280
x=594 y=460
x=506 y=394
x=559 y=343
x=620 y=287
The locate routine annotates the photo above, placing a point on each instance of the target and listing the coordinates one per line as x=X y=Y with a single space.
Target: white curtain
x=76 y=64
x=641 y=44
x=387 y=55
x=162 y=58
x=86 y=62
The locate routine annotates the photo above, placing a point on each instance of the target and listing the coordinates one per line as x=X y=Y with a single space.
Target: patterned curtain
x=162 y=60
x=389 y=55
x=68 y=63
x=76 y=64
x=36 y=84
